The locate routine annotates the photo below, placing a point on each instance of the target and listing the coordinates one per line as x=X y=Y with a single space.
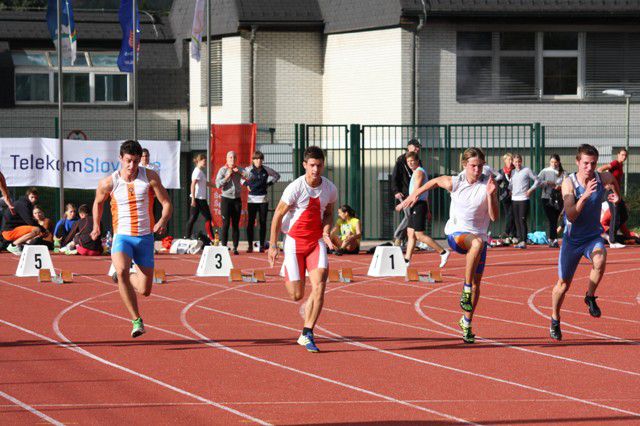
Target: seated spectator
x=46 y=225
x=79 y=240
x=65 y=224
x=347 y=232
x=20 y=225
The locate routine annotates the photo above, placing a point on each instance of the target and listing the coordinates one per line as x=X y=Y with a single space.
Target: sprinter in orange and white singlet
x=132 y=190
x=305 y=215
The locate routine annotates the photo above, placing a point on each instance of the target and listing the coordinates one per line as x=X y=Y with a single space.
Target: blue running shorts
x=140 y=249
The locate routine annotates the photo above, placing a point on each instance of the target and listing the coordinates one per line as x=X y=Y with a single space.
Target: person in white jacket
x=521 y=189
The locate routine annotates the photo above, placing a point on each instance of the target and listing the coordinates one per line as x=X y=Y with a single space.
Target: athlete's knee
x=477 y=243
x=561 y=286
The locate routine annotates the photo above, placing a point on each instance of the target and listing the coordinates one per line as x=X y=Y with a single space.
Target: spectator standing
x=521 y=190
x=550 y=179
x=504 y=180
x=400 y=178
x=258 y=178
x=199 y=205
x=229 y=179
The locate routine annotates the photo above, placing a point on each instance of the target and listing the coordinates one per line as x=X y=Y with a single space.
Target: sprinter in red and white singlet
x=305 y=216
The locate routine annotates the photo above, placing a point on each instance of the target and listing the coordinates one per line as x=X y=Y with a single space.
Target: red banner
x=240 y=138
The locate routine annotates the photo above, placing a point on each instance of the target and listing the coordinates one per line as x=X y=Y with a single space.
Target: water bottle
x=108 y=239
x=216 y=238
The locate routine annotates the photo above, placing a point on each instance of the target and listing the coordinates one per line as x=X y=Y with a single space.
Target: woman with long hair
x=258 y=178
x=551 y=181
x=504 y=179
x=198 y=197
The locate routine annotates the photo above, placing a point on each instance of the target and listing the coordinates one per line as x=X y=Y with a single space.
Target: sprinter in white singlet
x=474 y=204
x=132 y=190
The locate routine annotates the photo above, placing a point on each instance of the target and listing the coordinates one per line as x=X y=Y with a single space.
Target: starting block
x=45 y=275
x=258 y=276
x=436 y=276
x=431 y=277
x=235 y=275
x=344 y=275
x=159 y=276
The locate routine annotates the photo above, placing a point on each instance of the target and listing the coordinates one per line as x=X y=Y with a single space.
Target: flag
x=125 y=58
x=69 y=34
x=197 y=29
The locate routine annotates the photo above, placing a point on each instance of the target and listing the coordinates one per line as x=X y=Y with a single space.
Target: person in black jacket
x=400 y=188
x=503 y=180
x=79 y=240
x=258 y=178
x=19 y=225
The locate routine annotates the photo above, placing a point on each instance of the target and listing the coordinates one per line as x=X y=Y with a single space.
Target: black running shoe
x=555 y=332
x=594 y=310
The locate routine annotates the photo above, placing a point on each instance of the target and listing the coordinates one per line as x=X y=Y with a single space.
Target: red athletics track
x=220 y=353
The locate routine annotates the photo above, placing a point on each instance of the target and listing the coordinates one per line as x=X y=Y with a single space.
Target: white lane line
x=30 y=409
x=185 y=322
x=70 y=345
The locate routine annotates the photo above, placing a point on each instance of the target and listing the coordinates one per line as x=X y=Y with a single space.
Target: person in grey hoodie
x=521 y=190
x=551 y=181
x=228 y=180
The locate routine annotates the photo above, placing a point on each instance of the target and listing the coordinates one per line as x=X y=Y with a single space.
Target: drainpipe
x=252 y=75
x=414 y=75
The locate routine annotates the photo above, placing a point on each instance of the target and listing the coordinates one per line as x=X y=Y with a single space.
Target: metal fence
x=360 y=161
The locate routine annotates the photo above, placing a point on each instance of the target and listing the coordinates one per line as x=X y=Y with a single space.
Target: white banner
x=35 y=161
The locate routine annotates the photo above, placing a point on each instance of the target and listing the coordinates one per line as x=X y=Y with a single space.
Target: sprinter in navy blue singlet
x=583 y=193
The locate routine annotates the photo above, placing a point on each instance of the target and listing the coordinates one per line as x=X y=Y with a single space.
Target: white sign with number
x=214 y=262
x=32 y=259
x=388 y=261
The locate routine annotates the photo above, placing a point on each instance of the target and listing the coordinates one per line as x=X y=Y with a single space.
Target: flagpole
x=135 y=73
x=60 y=79
x=209 y=92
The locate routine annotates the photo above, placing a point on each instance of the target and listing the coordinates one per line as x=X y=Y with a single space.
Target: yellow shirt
x=347 y=227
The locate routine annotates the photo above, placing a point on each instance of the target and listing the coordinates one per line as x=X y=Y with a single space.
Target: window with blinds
x=612 y=62
x=495 y=66
x=216 y=73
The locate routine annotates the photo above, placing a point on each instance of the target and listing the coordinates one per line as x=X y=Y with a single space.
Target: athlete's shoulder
x=329 y=184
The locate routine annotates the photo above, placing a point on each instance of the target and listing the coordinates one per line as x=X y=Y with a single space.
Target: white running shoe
x=444 y=257
x=617 y=245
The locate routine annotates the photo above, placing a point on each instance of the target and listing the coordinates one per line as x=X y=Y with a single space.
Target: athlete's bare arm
x=443 y=182
x=105 y=186
x=327 y=221
x=5 y=193
x=276 y=225
x=163 y=197
x=609 y=180
x=492 y=198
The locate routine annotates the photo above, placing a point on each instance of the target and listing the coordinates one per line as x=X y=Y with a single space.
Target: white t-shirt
x=303 y=221
x=201 y=183
x=469 y=211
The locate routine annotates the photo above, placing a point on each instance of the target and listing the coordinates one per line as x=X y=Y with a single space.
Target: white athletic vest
x=132 y=205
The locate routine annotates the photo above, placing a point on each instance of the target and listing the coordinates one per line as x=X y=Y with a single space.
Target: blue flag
x=125 y=59
x=68 y=28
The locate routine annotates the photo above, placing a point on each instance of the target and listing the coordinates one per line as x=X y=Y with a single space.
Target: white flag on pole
x=197 y=29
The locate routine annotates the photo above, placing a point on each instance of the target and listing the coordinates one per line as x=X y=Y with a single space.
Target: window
x=93 y=78
x=518 y=65
x=216 y=74
x=612 y=62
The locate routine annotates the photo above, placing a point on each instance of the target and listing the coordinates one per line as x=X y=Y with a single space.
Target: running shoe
x=114 y=277
x=306 y=340
x=467 y=335
x=594 y=310
x=17 y=250
x=554 y=331
x=465 y=301
x=521 y=245
x=444 y=257
x=138 y=328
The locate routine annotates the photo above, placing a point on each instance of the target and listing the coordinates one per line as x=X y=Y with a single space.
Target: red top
x=617 y=171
